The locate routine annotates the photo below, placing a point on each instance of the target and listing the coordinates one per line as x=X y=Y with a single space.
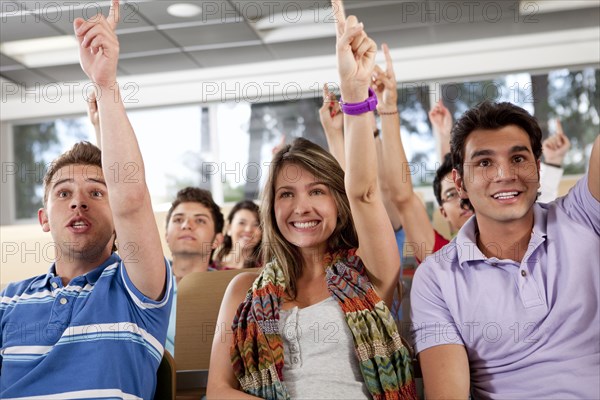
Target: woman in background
x=241 y=244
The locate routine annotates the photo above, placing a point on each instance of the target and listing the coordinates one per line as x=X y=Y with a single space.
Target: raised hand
x=92 y=112
x=278 y=146
x=330 y=114
x=384 y=84
x=355 y=53
x=441 y=120
x=555 y=147
x=332 y=121
x=99 y=46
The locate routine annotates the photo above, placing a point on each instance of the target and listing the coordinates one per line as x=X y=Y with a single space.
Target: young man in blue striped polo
x=95 y=324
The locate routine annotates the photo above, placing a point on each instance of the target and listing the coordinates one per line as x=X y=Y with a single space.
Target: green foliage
x=574 y=98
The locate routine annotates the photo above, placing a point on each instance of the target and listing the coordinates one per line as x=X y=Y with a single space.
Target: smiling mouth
x=305 y=225
x=506 y=195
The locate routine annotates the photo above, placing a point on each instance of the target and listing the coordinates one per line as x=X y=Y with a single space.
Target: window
x=571 y=96
x=35 y=146
x=176 y=147
x=415 y=130
x=574 y=98
x=226 y=147
x=248 y=133
x=174 y=142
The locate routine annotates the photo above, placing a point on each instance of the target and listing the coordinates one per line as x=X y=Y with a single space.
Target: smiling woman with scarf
x=315 y=322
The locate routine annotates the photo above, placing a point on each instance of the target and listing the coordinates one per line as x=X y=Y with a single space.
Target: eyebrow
x=193 y=215
x=71 y=180
x=312 y=184
x=488 y=152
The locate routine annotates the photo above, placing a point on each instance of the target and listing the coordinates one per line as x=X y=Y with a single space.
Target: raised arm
x=384 y=188
x=387 y=98
x=594 y=170
x=92 y=111
x=356 y=57
x=122 y=164
x=332 y=121
x=441 y=124
x=554 y=148
x=397 y=172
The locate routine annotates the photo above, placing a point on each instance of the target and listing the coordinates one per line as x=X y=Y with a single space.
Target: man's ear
x=218 y=240
x=43 y=219
x=459 y=184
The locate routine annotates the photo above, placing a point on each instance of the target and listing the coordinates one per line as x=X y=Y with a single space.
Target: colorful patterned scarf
x=257 y=350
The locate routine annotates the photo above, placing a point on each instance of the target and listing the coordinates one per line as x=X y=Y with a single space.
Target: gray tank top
x=319 y=356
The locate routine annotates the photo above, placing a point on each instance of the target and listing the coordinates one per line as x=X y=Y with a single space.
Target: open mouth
x=78 y=225
x=305 y=225
x=506 y=195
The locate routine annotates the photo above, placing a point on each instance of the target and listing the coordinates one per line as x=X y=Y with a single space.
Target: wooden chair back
x=165 y=378
x=199 y=296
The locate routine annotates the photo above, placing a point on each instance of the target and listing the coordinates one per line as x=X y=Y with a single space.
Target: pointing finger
x=325 y=92
x=114 y=14
x=559 y=128
x=340 y=16
x=388 y=58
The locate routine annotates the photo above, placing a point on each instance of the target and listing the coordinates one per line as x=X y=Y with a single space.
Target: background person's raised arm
x=332 y=121
x=397 y=173
x=441 y=125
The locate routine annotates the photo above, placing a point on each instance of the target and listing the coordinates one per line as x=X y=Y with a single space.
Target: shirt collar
x=91 y=277
x=540 y=223
x=540 y=220
x=466 y=243
x=42 y=280
x=466 y=239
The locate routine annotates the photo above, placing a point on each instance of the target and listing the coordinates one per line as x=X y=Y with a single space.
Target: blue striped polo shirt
x=99 y=337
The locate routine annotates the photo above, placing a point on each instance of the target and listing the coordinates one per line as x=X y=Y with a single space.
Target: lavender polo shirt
x=531 y=329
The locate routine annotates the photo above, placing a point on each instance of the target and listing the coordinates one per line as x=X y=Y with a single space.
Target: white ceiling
x=226 y=34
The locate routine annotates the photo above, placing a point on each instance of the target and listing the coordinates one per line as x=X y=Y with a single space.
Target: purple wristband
x=370 y=104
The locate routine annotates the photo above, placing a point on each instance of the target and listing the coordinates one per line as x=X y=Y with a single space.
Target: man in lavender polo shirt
x=510 y=307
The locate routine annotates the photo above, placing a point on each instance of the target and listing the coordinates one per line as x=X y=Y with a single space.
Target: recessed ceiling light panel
x=184 y=10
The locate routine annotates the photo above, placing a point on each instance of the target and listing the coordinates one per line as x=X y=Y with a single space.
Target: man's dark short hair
x=204 y=197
